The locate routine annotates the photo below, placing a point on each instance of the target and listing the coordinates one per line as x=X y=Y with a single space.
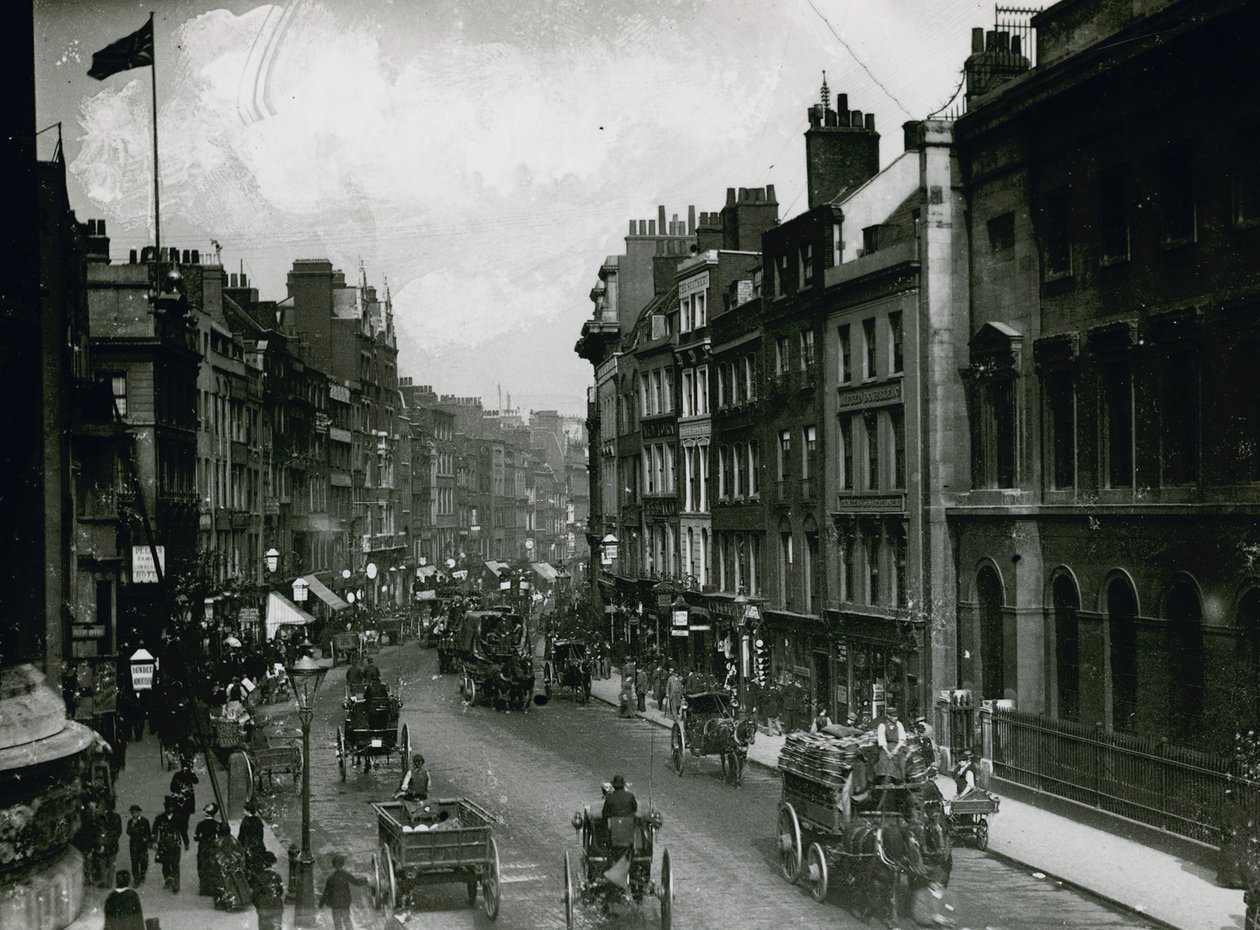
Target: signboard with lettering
x=693 y=285
x=143 y=570
x=143 y=666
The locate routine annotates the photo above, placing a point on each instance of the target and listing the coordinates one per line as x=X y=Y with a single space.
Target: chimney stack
x=841 y=150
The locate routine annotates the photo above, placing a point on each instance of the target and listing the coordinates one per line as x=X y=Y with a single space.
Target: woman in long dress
x=234 y=892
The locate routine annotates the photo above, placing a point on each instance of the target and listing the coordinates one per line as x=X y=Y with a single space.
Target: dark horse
x=894 y=860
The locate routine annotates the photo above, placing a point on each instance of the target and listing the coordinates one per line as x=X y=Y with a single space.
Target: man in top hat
x=620 y=803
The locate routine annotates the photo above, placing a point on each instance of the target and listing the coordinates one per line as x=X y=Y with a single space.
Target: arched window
x=992 y=634
x=1122 y=624
x=1185 y=650
x=1067 y=646
x=1248 y=624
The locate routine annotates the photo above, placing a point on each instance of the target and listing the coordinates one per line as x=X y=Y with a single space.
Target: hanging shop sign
x=142 y=568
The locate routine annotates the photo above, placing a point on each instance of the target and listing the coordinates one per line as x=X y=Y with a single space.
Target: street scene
x=593 y=465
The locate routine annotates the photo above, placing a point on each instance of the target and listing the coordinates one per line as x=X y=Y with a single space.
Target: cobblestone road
x=534 y=770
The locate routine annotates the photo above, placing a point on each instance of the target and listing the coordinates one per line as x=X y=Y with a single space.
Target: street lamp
x=306 y=675
x=300 y=589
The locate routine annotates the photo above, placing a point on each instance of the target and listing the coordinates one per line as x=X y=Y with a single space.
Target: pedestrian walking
x=139 y=839
x=122 y=905
x=659 y=678
x=250 y=836
x=207 y=837
x=168 y=843
x=111 y=830
x=641 y=688
x=336 y=896
x=269 y=894
x=184 y=791
x=674 y=693
x=772 y=702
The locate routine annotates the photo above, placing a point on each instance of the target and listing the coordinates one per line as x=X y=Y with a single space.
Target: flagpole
x=157 y=212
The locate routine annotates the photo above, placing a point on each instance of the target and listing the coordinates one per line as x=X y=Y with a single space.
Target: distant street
x=535 y=769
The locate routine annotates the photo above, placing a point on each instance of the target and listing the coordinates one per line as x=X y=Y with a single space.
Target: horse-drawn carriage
x=370 y=731
x=568 y=666
x=600 y=879
x=434 y=842
x=707 y=726
x=494 y=660
x=876 y=842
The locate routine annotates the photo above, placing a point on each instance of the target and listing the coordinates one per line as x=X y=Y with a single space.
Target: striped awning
x=281 y=612
x=324 y=593
x=545 y=571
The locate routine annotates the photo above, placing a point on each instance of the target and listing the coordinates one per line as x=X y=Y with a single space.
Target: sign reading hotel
x=142 y=568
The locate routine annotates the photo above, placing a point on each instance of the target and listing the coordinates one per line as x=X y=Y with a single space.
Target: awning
x=544 y=571
x=324 y=593
x=281 y=611
x=496 y=567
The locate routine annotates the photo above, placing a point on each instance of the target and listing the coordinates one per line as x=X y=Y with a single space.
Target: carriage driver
x=619 y=802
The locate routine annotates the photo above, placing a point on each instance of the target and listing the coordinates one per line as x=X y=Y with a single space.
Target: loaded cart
x=434 y=842
x=969 y=816
x=837 y=827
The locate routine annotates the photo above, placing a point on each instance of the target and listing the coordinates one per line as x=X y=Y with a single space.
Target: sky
x=479 y=157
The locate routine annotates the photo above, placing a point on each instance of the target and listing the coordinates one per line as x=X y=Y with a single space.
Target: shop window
x=992 y=634
x=1116 y=422
x=1177 y=196
x=1179 y=414
x=1061 y=419
x=1186 y=668
x=1067 y=646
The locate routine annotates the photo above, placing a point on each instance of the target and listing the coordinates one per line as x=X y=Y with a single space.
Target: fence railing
x=1149 y=781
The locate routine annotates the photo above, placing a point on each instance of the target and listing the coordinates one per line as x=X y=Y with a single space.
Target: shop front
x=799 y=664
x=876 y=665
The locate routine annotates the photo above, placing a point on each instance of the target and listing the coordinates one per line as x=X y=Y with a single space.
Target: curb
x=1003 y=857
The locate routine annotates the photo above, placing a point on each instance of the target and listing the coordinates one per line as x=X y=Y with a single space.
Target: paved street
x=533 y=770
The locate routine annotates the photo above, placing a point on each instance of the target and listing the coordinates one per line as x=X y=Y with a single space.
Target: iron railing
x=1167 y=787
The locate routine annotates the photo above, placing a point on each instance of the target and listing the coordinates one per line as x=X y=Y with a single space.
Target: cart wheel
x=982 y=833
x=666 y=892
x=816 y=873
x=490 y=889
x=470 y=691
x=341 y=753
x=389 y=891
x=568 y=892
x=676 y=749
x=378 y=882
x=789 y=843
x=404 y=747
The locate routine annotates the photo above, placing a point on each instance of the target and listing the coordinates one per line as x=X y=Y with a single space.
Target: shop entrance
x=822 y=682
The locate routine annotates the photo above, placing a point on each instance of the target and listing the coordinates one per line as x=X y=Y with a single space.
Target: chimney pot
x=870 y=122
x=730 y=196
x=642 y=227
x=770 y=193
x=91 y=227
x=1003 y=40
x=631 y=233
x=990 y=40
x=244 y=280
x=651 y=227
x=977 y=40
x=196 y=256
x=842 y=103
x=660 y=218
x=691 y=218
x=187 y=256
x=100 y=227
x=855 y=119
x=131 y=257
x=232 y=279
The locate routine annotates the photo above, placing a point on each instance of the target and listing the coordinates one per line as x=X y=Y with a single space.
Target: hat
x=267 y=857
x=618 y=782
x=134 y=808
x=210 y=809
x=251 y=806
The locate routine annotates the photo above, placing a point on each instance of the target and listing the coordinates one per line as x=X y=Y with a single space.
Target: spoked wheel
x=569 y=892
x=982 y=834
x=666 y=892
x=404 y=747
x=789 y=843
x=816 y=873
x=376 y=881
x=470 y=690
x=341 y=753
x=676 y=749
x=390 y=888
x=490 y=888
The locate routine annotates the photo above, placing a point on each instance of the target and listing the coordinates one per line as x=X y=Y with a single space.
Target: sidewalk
x=1160 y=885
x=145 y=781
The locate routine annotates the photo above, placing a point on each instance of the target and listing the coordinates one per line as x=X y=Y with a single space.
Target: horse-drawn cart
x=969 y=816
x=707 y=726
x=436 y=842
x=873 y=841
x=568 y=666
x=370 y=731
x=605 y=878
x=494 y=660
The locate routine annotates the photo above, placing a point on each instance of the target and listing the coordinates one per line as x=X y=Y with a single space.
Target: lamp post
x=306 y=675
x=680 y=625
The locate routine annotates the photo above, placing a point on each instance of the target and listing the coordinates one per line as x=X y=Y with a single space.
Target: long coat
x=123 y=910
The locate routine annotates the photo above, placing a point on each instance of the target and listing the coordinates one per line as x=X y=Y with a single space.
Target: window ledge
x=1111 y=261
x=1051 y=276
x=1172 y=245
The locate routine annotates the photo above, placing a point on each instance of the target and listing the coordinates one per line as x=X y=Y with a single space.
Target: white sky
x=482 y=156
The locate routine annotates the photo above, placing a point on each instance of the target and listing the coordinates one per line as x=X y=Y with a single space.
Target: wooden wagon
x=453 y=843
